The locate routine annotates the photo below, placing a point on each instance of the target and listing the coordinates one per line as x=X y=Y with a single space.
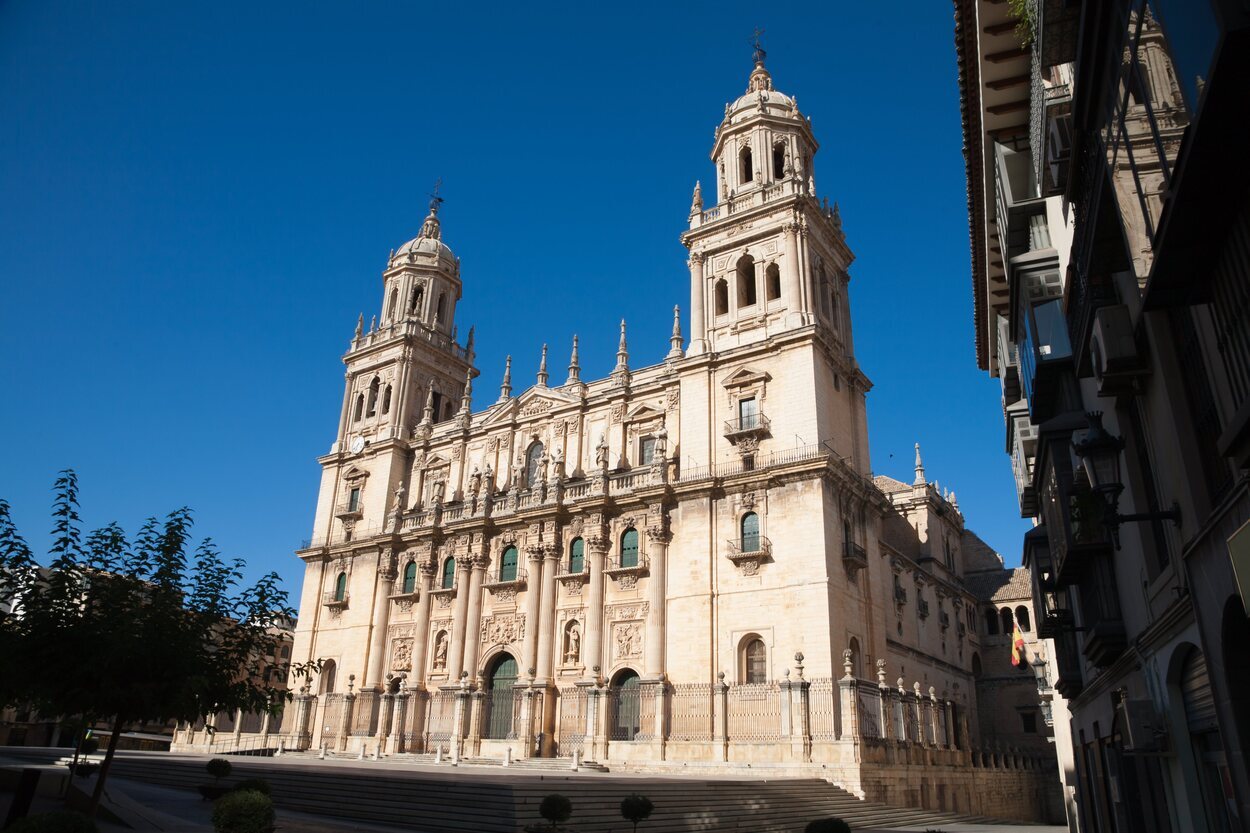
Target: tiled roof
x=1000 y=585
x=889 y=484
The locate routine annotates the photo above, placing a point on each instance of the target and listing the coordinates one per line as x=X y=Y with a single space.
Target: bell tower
x=767 y=256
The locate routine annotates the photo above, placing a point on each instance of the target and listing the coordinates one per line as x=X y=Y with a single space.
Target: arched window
x=386 y=400
x=533 y=461
x=991 y=621
x=772 y=282
x=976 y=665
x=750 y=528
x=854 y=646
x=340 y=588
x=392 y=304
x=508 y=564
x=822 y=288
x=360 y=407
x=328 y=672
x=449 y=573
x=626 y=693
x=833 y=308
x=410 y=577
x=755 y=661
x=779 y=160
x=414 y=304
x=374 y=386
x=629 y=548
x=746 y=173
x=1022 y=618
x=721 y=291
x=577 y=555
x=746 y=281
x=1007 y=620
x=441 y=311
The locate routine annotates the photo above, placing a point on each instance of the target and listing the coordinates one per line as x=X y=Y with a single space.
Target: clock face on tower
x=358 y=445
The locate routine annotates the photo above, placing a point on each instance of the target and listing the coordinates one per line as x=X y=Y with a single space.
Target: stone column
x=303 y=709
x=381 y=611
x=238 y=727
x=658 y=535
x=721 y=702
x=698 y=321
x=477 y=700
x=547 y=642
x=421 y=632
x=455 y=654
x=385 y=716
x=598 y=546
x=848 y=699
x=345 y=719
x=394 y=740
x=793 y=285
x=472 y=641
x=800 y=714
x=533 y=594
x=459 y=714
x=939 y=737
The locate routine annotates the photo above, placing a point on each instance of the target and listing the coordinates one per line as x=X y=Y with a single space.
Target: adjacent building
x=1109 y=208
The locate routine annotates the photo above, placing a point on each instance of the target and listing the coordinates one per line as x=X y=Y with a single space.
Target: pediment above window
x=745 y=377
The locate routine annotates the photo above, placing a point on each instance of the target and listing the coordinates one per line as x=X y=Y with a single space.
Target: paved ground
x=147 y=807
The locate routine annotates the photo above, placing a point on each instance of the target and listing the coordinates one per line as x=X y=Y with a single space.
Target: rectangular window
x=1029 y=722
x=353 y=500
x=748 y=413
x=646 y=451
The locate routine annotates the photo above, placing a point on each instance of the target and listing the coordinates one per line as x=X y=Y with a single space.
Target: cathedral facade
x=686 y=562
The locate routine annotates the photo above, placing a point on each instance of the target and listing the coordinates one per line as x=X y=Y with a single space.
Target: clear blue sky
x=196 y=201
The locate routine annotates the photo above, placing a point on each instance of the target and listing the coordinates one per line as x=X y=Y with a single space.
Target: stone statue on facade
x=440 y=650
x=601 y=453
x=573 y=649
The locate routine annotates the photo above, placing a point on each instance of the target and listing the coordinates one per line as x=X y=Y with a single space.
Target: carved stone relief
x=501 y=630
x=626 y=640
x=401 y=655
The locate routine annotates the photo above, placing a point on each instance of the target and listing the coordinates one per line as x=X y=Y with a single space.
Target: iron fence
x=754 y=711
x=690 y=712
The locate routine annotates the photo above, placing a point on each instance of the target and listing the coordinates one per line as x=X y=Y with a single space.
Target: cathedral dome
x=760 y=97
x=427 y=242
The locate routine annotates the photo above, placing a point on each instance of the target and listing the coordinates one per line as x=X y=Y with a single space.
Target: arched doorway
x=626 y=695
x=499 y=682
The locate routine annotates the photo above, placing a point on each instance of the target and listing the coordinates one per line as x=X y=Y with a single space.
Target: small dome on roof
x=428 y=241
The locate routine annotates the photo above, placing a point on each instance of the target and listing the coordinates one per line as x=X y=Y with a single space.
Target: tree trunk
x=104 y=768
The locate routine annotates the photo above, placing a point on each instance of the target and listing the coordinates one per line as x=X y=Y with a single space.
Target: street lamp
x=1100 y=457
x=1043 y=688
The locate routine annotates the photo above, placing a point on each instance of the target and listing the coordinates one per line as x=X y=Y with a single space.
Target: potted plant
x=82 y=766
x=829 y=825
x=636 y=808
x=218 y=768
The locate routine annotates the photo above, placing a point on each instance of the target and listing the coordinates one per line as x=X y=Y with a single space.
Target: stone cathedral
x=686 y=562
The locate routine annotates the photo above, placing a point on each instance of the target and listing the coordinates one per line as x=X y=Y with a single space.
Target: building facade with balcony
x=683 y=563
x=1109 y=205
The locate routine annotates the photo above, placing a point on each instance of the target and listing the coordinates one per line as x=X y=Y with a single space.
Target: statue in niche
x=557 y=464
x=488 y=478
x=440 y=650
x=661 y=443
x=475 y=481
x=601 y=453
x=573 y=645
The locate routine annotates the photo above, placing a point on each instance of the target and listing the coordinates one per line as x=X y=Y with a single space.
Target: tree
x=636 y=808
x=123 y=631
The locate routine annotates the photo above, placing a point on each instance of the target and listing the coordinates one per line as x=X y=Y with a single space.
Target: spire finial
x=465 y=416
x=427 y=416
x=696 y=201
x=505 y=389
x=542 y=369
x=675 y=351
x=430 y=228
x=760 y=79
x=360 y=326
x=575 y=367
x=919 y=481
x=621 y=372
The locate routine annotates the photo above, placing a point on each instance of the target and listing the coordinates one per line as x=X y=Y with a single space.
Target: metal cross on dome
x=759 y=48
x=435 y=199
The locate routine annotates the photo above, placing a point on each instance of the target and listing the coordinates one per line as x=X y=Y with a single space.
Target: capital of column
x=551 y=552
x=387 y=564
x=659 y=533
x=428 y=567
x=598 y=544
x=696 y=257
x=536 y=552
x=465 y=562
x=481 y=561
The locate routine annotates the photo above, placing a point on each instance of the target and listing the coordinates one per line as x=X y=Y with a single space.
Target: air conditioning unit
x=1143 y=729
x=1113 y=351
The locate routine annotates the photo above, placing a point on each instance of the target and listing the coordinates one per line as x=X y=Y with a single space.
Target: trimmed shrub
x=59 y=822
x=555 y=808
x=259 y=785
x=218 y=768
x=636 y=808
x=90 y=746
x=243 y=812
x=827 y=826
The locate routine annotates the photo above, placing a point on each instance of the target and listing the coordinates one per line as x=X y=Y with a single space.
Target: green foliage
x=154 y=628
x=61 y=822
x=636 y=808
x=830 y=825
x=248 y=811
x=219 y=768
x=555 y=808
x=259 y=785
x=1025 y=13
x=90 y=746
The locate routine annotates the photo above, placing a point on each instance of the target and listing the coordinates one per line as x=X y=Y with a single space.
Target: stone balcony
x=750 y=552
x=334 y=600
x=754 y=198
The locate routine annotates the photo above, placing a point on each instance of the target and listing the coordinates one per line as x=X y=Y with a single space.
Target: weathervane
x=435 y=199
x=760 y=54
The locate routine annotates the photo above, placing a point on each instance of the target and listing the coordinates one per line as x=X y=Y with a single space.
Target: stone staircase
x=499 y=800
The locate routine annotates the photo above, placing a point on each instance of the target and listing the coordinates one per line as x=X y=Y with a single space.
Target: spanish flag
x=1018 y=655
